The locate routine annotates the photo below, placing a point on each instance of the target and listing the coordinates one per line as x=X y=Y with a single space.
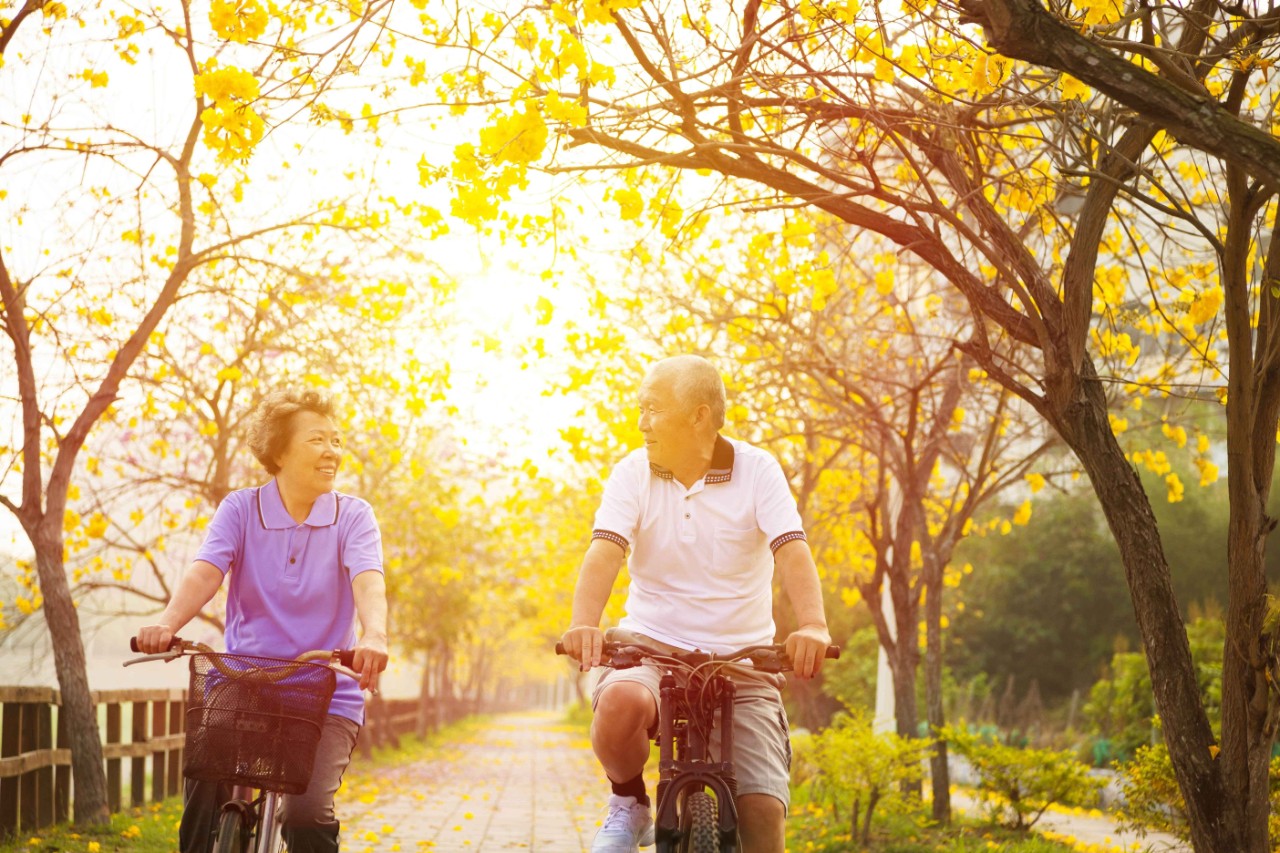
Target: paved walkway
x=526 y=782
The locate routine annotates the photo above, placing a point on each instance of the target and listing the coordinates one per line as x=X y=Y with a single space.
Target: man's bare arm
x=600 y=567
x=808 y=644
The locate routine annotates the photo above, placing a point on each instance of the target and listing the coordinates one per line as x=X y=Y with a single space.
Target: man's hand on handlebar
x=806 y=647
x=584 y=644
x=154 y=639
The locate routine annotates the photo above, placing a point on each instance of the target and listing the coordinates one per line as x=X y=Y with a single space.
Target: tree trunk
x=426 y=714
x=87 y=769
x=866 y=820
x=940 y=777
x=1252 y=406
x=1084 y=425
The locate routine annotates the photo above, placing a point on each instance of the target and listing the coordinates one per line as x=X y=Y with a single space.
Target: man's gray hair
x=696 y=383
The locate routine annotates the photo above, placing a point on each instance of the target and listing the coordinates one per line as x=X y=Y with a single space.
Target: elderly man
x=706 y=519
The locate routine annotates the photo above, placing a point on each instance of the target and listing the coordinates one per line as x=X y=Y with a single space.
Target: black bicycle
x=254 y=723
x=696 y=791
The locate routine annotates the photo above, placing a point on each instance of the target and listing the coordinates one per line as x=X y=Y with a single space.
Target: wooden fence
x=145 y=766
x=35 y=763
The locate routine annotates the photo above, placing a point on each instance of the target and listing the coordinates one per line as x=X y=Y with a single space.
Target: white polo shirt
x=701 y=560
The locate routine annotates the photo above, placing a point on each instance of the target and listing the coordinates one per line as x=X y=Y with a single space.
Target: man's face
x=667 y=424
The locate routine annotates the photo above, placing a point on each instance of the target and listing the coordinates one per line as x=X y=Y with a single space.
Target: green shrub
x=1151 y=796
x=1015 y=785
x=857 y=771
x=1153 y=801
x=1121 y=706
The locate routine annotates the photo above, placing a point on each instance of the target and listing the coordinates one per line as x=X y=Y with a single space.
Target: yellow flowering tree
x=158 y=465
x=133 y=160
x=1105 y=221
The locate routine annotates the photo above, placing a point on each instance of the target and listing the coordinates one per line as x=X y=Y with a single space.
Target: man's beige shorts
x=761 y=737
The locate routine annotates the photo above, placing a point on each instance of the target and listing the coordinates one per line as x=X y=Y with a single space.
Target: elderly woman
x=303 y=561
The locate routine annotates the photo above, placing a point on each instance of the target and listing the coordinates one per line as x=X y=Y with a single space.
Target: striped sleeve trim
x=787 y=537
x=610 y=536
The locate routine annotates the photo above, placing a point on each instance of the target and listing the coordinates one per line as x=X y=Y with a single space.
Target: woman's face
x=312 y=455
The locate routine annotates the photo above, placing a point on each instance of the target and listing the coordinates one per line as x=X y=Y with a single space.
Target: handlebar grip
x=346 y=657
x=833 y=652
x=175 y=643
x=560 y=649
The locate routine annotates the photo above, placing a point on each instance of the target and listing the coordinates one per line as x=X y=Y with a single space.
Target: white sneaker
x=626 y=829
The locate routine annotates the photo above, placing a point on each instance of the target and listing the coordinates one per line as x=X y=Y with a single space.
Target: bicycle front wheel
x=702 y=835
x=233 y=833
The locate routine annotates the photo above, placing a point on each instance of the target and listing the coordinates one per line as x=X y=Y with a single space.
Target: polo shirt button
x=686 y=515
x=293 y=559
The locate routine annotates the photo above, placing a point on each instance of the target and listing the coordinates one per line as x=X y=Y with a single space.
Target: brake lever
x=766 y=661
x=625 y=658
x=167 y=657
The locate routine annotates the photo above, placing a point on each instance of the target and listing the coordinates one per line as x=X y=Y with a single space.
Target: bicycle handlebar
x=179 y=646
x=746 y=653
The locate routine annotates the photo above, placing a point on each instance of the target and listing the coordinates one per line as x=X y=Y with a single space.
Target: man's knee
x=762 y=823
x=622 y=709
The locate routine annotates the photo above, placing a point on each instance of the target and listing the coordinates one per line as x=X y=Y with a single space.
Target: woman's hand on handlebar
x=585 y=644
x=154 y=639
x=807 y=646
x=369 y=660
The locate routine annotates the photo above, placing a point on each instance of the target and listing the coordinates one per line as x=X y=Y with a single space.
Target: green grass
x=153 y=828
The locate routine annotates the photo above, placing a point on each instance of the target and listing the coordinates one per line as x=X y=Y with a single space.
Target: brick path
x=526 y=782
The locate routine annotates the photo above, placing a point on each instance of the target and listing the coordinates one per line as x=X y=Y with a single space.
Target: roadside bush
x=1151 y=796
x=1015 y=785
x=858 y=772
x=1152 y=800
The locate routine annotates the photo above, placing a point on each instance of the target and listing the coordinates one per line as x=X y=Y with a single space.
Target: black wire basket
x=255 y=721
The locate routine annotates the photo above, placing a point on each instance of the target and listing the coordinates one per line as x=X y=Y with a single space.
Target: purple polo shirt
x=290 y=586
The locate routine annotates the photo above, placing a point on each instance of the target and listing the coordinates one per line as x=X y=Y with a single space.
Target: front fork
x=683 y=768
x=262 y=817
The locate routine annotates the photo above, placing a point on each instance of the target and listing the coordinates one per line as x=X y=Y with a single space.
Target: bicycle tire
x=233 y=835
x=702 y=833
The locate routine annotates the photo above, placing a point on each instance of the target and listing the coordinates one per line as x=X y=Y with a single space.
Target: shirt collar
x=274 y=516
x=721 y=470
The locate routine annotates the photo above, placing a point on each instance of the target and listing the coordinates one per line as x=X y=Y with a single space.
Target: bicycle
x=696 y=811
x=253 y=722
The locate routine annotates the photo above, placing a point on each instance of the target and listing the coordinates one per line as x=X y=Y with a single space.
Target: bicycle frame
x=685 y=771
x=684 y=765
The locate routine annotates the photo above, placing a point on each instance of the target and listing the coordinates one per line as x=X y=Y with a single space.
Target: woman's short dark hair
x=269 y=425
